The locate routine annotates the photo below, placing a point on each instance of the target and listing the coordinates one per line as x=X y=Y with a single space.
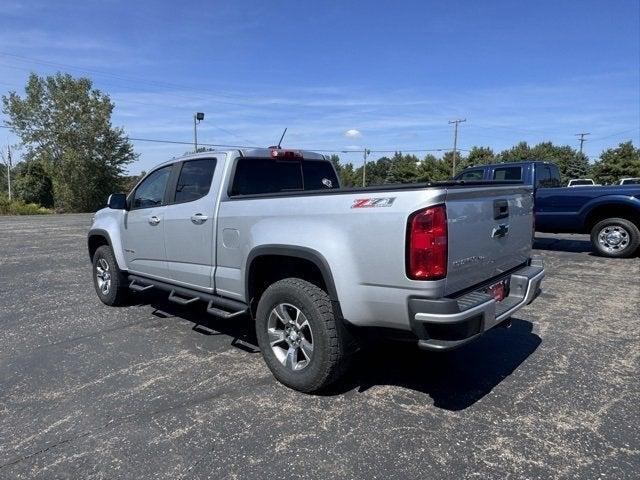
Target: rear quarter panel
x=363 y=247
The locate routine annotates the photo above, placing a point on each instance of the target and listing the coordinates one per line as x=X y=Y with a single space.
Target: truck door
x=143 y=228
x=190 y=223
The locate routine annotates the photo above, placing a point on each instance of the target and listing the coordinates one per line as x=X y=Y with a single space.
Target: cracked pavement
x=156 y=390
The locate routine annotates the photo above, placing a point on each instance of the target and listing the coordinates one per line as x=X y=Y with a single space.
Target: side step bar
x=139 y=288
x=219 y=306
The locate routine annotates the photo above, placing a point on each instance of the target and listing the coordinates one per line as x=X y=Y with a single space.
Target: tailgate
x=490 y=232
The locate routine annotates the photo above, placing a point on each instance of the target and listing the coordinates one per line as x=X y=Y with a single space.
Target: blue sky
x=390 y=73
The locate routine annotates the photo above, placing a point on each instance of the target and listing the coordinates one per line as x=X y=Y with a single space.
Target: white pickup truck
x=269 y=233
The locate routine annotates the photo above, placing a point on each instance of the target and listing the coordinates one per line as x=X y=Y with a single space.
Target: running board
x=219 y=306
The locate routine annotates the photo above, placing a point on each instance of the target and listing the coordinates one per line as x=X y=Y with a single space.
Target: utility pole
x=9 y=170
x=7 y=162
x=582 y=139
x=364 y=167
x=455 y=140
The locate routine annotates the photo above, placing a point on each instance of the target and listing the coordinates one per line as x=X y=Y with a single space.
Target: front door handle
x=198 y=218
x=153 y=220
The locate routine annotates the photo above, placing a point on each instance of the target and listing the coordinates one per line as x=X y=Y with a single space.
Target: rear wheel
x=300 y=339
x=615 y=237
x=108 y=280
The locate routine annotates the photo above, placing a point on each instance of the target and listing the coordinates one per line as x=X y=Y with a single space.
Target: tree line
x=73 y=157
x=612 y=165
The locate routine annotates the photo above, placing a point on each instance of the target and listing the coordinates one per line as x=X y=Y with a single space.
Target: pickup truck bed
x=313 y=266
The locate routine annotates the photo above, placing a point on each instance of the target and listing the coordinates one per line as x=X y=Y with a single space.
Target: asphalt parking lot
x=156 y=390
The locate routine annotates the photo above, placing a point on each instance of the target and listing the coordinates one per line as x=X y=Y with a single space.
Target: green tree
x=518 y=153
x=432 y=169
x=32 y=183
x=616 y=163
x=402 y=169
x=576 y=166
x=447 y=159
x=480 y=156
x=65 y=124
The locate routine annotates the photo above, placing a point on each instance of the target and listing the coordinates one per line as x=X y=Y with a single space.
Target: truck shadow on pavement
x=454 y=380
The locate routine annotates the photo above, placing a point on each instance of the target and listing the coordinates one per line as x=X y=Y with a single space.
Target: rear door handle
x=153 y=220
x=198 y=218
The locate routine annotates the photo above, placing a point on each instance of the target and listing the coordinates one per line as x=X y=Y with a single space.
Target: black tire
x=627 y=231
x=329 y=359
x=117 y=293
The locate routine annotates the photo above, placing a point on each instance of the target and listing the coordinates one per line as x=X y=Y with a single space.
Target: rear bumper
x=449 y=323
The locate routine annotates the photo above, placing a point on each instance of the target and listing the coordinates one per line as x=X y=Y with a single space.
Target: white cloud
x=352 y=133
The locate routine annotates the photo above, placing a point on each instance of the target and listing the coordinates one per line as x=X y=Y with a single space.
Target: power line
x=636 y=129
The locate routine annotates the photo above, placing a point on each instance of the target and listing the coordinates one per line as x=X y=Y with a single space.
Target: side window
x=318 y=175
x=554 y=176
x=194 y=181
x=150 y=193
x=507 y=173
x=543 y=176
x=471 y=175
x=264 y=175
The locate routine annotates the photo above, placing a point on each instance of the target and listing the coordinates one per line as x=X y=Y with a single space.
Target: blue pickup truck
x=610 y=214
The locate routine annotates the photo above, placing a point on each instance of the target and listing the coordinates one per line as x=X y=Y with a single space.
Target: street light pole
x=197 y=117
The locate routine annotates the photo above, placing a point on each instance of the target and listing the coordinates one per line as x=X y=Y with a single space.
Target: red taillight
x=427 y=244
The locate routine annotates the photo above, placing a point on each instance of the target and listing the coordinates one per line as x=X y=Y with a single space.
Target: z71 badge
x=373 y=202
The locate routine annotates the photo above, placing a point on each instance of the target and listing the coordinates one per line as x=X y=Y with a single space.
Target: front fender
x=107 y=225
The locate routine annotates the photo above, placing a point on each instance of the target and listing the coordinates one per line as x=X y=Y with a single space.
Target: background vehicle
x=581 y=182
x=630 y=181
x=269 y=232
x=610 y=214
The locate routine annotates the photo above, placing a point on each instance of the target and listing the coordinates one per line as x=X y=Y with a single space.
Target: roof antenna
x=283 y=133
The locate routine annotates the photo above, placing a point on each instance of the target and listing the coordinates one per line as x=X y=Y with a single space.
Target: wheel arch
x=599 y=211
x=299 y=260
x=98 y=237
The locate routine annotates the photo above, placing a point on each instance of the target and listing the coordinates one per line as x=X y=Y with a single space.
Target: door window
x=194 y=181
x=150 y=193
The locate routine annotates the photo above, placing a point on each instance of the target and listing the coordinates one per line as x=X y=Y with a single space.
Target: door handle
x=198 y=218
x=153 y=220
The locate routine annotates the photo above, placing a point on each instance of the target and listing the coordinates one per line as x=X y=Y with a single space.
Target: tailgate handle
x=500 y=209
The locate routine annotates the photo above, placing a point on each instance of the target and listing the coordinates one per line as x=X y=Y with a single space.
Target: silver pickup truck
x=269 y=233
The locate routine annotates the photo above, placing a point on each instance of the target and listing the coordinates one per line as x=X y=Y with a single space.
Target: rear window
x=507 y=173
x=265 y=175
x=581 y=182
x=471 y=175
x=318 y=175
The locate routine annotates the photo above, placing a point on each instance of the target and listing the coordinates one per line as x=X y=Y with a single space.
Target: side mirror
x=117 y=201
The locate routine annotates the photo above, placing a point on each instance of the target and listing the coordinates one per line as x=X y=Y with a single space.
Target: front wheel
x=615 y=237
x=108 y=280
x=300 y=339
